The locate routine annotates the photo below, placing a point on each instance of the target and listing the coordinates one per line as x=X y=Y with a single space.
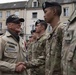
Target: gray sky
x=6 y=1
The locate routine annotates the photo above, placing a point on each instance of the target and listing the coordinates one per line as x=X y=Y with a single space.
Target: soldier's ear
x=43 y=27
x=54 y=11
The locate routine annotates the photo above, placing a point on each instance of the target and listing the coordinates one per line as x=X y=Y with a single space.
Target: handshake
x=20 y=67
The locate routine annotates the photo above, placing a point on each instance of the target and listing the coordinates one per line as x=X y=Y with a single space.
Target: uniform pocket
x=10 y=51
x=71 y=51
x=68 y=36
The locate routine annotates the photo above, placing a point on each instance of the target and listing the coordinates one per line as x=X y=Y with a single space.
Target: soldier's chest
x=51 y=44
x=68 y=45
x=38 y=48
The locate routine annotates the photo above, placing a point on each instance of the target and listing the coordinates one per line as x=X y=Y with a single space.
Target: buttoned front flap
x=53 y=44
x=41 y=47
x=71 y=51
x=68 y=36
x=11 y=50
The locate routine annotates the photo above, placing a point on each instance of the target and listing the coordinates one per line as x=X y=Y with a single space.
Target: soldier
x=32 y=39
x=29 y=49
x=12 y=53
x=38 y=50
x=52 y=12
x=34 y=34
x=69 y=47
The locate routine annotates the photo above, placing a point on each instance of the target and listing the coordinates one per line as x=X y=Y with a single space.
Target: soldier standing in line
x=29 y=49
x=38 y=50
x=12 y=53
x=69 y=47
x=52 y=12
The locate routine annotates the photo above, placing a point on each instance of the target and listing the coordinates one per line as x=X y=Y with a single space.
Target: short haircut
x=58 y=10
x=42 y=22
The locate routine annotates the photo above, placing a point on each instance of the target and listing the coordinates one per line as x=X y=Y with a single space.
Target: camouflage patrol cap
x=42 y=22
x=50 y=4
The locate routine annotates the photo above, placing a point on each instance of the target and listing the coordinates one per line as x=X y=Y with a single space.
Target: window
x=35 y=3
x=34 y=15
x=17 y=12
x=66 y=11
x=8 y=13
x=0 y=14
x=0 y=25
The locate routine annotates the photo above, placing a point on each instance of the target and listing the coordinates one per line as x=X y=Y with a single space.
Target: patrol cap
x=14 y=19
x=50 y=4
x=33 y=31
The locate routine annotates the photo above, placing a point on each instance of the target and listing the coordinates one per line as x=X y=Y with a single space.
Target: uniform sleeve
x=35 y=62
x=5 y=66
x=40 y=60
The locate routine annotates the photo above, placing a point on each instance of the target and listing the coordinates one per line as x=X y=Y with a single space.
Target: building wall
x=70 y=7
x=31 y=21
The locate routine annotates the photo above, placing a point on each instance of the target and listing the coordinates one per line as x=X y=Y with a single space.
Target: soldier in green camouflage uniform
x=69 y=47
x=52 y=12
x=38 y=50
x=29 y=49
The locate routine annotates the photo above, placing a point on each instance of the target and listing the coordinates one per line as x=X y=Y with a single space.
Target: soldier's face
x=15 y=27
x=48 y=15
x=34 y=35
x=38 y=28
x=31 y=39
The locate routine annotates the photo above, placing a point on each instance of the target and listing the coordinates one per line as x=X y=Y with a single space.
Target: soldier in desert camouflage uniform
x=69 y=47
x=52 y=11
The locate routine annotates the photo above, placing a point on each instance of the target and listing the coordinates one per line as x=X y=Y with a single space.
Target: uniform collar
x=55 y=27
x=41 y=35
x=53 y=30
x=8 y=34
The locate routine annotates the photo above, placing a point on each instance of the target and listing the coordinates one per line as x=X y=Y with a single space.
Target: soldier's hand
x=20 y=68
x=19 y=63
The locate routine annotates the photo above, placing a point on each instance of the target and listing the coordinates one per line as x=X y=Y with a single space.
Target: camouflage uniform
x=29 y=51
x=11 y=52
x=29 y=55
x=38 y=56
x=53 y=51
x=69 y=47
